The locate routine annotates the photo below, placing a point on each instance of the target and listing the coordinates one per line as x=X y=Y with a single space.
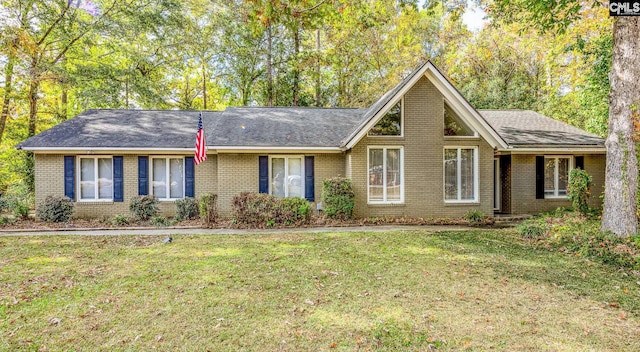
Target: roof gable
x=451 y=95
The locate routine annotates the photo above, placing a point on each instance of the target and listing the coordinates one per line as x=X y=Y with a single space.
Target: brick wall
x=239 y=173
x=49 y=179
x=523 y=185
x=423 y=144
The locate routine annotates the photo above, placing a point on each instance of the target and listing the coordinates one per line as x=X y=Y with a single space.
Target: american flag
x=201 y=152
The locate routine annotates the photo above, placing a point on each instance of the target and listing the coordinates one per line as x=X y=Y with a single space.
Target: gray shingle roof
x=526 y=128
x=288 y=127
x=283 y=127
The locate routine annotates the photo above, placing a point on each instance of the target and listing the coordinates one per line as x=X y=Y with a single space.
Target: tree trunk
x=318 y=68
x=8 y=79
x=204 y=87
x=296 y=71
x=621 y=175
x=269 y=67
x=34 y=86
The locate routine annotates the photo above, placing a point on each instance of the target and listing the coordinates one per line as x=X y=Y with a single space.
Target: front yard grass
x=405 y=290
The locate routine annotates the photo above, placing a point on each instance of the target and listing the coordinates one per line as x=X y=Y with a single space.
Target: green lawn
x=480 y=290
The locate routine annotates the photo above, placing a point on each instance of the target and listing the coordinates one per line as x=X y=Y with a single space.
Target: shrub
x=19 y=208
x=209 y=209
x=260 y=209
x=160 y=221
x=143 y=207
x=338 y=198
x=55 y=209
x=187 y=209
x=120 y=220
x=533 y=228
x=293 y=211
x=474 y=216
x=4 y=203
x=579 y=190
x=254 y=209
x=6 y=220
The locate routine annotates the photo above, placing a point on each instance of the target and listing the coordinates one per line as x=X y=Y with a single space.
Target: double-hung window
x=385 y=184
x=287 y=176
x=556 y=176
x=461 y=174
x=96 y=178
x=167 y=175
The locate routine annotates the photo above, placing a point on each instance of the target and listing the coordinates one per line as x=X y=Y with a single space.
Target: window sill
x=461 y=138
x=461 y=203
x=104 y=201
x=386 y=204
x=556 y=198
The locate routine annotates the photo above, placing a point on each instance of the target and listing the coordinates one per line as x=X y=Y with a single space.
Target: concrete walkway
x=201 y=231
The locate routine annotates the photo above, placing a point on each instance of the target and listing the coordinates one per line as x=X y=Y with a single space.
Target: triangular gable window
x=390 y=124
x=453 y=125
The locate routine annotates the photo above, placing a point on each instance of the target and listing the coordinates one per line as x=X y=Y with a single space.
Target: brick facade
x=423 y=144
x=523 y=185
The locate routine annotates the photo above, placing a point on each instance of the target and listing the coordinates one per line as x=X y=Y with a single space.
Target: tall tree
x=619 y=215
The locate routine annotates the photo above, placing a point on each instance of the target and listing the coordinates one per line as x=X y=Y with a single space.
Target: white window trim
x=168 y=174
x=286 y=173
x=95 y=172
x=476 y=176
x=401 y=100
x=384 y=175
x=555 y=175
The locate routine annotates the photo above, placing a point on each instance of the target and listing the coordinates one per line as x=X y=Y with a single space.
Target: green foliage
x=160 y=221
x=582 y=236
x=294 y=210
x=143 y=207
x=338 y=197
x=579 y=190
x=187 y=209
x=533 y=228
x=261 y=209
x=474 y=216
x=6 y=220
x=55 y=209
x=120 y=220
x=209 y=209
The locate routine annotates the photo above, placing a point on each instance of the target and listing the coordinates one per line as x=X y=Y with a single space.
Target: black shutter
x=580 y=162
x=143 y=175
x=69 y=176
x=189 y=177
x=263 y=170
x=118 y=179
x=309 y=187
x=539 y=177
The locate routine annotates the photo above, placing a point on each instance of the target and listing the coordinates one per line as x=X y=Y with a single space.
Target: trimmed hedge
x=338 y=198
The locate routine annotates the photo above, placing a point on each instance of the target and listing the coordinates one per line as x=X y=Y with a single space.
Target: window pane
x=453 y=125
x=466 y=174
x=177 y=179
x=393 y=174
x=160 y=178
x=87 y=179
x=277 y=177
x=375 y=175
x=563 y=176
x=294 y=178
x=549 y=176
x=390 y=124
x=450 y=174
x=105 y=178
